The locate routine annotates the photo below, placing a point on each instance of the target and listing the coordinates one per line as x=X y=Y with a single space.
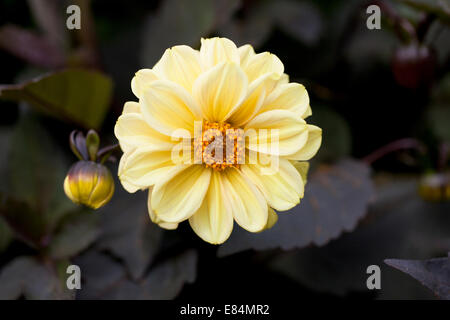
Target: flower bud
x=435 y=187
x=89 y=183
x=414 y=66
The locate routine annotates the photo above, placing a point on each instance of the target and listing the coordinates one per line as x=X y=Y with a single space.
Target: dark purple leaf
x=432 y=273
x=50 y=16
x=34 y=280
x=336 y=198
x=28 y=225
x=104 y=278
x=399 y=223
x=77 y=232
x=128 y=233
x=31 y=47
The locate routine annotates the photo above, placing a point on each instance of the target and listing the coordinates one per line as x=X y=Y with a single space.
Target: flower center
x=222 y=146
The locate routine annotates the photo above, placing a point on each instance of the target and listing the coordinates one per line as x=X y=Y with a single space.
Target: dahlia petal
x=131 y=107
x=220 y=90
x=292 y=96
x=245 y=53
x=302 y=168
x=311 y=146
x=272 y=219
x=248 y=205
x=307 y=113
x=180 y=194
x=261 y=63
x=254 y=99
x=155 y=219
x=284 y=79
x=180 y=64
x=128 y=186
x=285 y=133
x=141 y=80
x=218 y=50
x=213 y=222
x=142 y=168
x=168 y=107
x=133 y=131
x=281 y=186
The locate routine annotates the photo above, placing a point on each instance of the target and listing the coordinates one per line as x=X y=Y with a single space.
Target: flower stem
x=105 y=153
x=401 y=144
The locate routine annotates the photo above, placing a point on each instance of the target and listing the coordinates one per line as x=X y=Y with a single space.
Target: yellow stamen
x=231 y=137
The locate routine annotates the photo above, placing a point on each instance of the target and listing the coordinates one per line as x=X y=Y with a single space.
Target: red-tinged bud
x=414 y=66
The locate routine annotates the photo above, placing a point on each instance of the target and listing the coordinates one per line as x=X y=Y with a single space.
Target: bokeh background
x=378 y=189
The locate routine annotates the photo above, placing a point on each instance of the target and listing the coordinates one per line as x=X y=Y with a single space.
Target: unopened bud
x=89 y=183
x=414 y=66
x=435 y=187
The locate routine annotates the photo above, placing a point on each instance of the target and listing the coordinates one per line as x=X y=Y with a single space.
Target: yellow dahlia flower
x=200 y=95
